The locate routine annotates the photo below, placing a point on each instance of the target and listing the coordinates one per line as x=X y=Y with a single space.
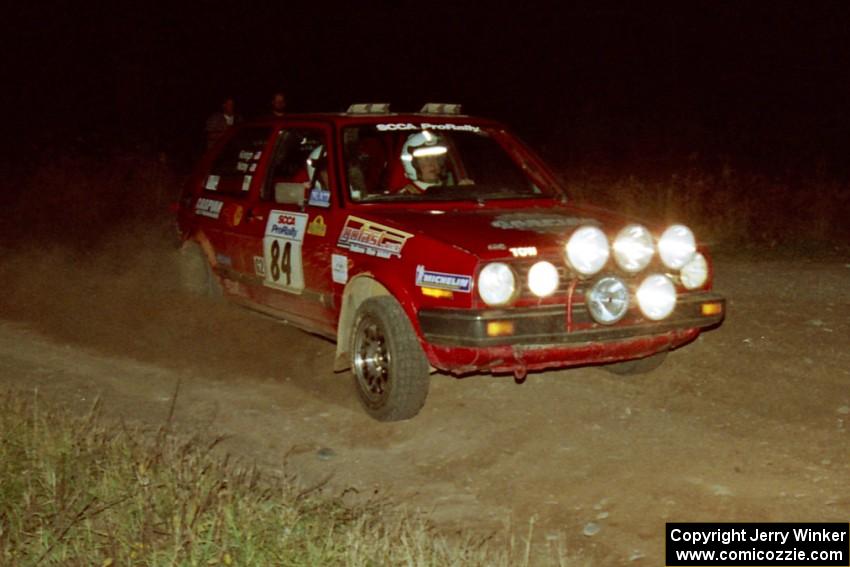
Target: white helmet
x=316 y=157
x=420 y=144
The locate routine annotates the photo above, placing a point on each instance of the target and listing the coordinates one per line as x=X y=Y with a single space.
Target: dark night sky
x=768 y=80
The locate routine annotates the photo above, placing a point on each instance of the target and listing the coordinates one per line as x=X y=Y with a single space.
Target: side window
x=367 y=156
x=299 y=169
x=234 y=167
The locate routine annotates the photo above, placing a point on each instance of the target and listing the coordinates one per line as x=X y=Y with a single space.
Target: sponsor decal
x=443 y=280
x=317 y=226
x=246 y=155
x=539 y=223
x=257 y=154
x=208 y=207
x=368 y=237
x=235 y=216
x=212 y=183
x=524 y=251
x=339 y=268
x=319 y=197
x=259 y=266
x=242 y=166
x=246 y=182
x=287 y=225
x=404 y=126
x=390 y=127
x=253 y=168
x=497 y=246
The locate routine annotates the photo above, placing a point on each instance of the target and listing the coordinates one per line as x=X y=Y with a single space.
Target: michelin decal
x=443 y=280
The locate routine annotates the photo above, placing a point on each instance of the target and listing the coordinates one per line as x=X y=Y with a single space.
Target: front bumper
x=557 y=335
x=555 y=324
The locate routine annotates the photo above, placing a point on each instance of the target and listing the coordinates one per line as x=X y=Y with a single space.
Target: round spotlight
x=608 y=300
x=543 y=279
x=633 y=248
x=587 y=250
x=656 y=297
x=677 y=246
x=695 y=272
x=496 y=284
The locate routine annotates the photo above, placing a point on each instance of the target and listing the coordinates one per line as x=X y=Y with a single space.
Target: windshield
x=435 y=162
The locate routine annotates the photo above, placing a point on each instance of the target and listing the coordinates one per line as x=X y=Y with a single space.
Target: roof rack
x=440 y=108
x=369 y=108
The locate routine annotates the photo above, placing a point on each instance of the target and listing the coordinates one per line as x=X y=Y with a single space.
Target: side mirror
x=289 y=193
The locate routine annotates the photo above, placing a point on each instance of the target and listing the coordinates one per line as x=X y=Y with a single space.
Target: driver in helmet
x=424 y=159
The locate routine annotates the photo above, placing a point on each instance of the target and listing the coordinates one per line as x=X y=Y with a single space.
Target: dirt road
x=749 y=423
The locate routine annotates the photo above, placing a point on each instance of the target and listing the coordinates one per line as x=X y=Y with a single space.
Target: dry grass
x=86 y=199
x=80 y=491
x=727 y=207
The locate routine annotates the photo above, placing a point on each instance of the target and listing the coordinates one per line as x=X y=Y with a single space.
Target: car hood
x=489 y=232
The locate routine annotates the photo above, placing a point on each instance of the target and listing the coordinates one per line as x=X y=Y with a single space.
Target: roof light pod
x=588 y=250
x=633 y=248
x=369 y=108
x=677 y=246
x=440 y=108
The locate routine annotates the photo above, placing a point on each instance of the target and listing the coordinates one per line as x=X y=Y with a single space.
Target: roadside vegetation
x=84 y=491
x=83 y=200
x=726 y=207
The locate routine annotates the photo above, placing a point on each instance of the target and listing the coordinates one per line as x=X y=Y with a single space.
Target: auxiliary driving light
x=677 y=246
x=608 y=300
x=587 y=250
x=656 y=297
x=633 y=248
x=543 y=279
x=695 y=272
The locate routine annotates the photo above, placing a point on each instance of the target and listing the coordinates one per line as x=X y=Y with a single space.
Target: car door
x=223 y=198
x=286 y=240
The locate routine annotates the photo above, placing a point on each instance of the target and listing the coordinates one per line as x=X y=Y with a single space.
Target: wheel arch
x=357 y=290
x=200 y=240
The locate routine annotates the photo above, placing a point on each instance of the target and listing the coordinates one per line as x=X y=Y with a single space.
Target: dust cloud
x=90 y=256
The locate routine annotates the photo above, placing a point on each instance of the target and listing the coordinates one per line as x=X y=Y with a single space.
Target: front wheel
x=639 y=366
x=390 y=370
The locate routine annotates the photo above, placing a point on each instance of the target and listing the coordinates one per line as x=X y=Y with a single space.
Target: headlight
x=633 y=248
x=695 y=272
x=496 y=284
x=656 y=297
x=608 y=300
x=677 y=246
x=587 y=250
x=543 y=279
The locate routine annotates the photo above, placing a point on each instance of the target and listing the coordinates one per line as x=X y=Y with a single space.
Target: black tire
x=639 y=366
x=196 y=275
x=391 y=373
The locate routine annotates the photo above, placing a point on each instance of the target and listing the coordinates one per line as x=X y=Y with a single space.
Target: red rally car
x=434 y=240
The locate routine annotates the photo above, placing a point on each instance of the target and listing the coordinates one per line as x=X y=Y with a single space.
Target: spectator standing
x=278 y=105
x=220 y=121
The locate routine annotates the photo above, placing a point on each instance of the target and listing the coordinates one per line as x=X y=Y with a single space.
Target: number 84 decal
x=282 y=250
